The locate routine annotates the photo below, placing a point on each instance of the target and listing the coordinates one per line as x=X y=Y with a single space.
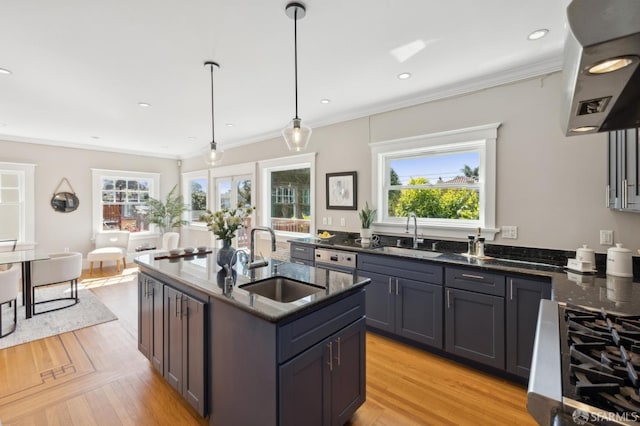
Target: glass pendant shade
x=213 y=156
x=296 y=136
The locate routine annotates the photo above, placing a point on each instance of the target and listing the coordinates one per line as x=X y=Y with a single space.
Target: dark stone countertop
x=593 y=291
x=202 y=273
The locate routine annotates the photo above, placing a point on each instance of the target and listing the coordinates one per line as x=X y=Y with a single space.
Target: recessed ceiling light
x=95 y=137
x=325 y=101
x=4 y=71
x=144 y=104
x=584 y=129
x=404 y=75
x=611 y=65
x=229 y=124
x=538 y=34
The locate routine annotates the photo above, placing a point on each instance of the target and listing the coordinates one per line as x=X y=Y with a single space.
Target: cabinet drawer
x=299 y=251
x=402 y=268
x=475 y=280
x=305 y=332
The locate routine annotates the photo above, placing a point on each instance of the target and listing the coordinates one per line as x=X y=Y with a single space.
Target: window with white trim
x=288 y=193
x=447 y=179
x=195 y=190
x=17 y=195
x=119 y=199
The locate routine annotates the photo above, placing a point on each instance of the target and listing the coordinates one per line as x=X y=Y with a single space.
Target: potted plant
x=168 y=214
x=366 y=219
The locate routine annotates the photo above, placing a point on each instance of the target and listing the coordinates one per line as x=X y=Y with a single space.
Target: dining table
x=24 y=257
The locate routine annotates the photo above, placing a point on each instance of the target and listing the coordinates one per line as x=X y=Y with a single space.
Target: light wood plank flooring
x=96 y=376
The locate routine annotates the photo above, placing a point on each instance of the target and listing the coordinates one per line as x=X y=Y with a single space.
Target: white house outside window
x=447 y=179
x=287 y=194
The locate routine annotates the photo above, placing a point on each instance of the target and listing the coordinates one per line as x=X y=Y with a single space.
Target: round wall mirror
x=64 y=202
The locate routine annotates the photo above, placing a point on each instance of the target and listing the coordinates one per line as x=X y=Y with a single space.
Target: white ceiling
x=80 y=67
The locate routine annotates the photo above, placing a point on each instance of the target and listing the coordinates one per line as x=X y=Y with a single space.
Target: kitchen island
x=242 y=357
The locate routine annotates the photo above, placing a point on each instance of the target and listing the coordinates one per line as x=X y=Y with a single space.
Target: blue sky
x=433 y=167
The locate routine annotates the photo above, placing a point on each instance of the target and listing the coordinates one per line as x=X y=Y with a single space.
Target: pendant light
x=214 y=155
x=296 y=136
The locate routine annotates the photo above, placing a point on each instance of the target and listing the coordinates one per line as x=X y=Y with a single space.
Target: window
x=236 y=192
x=17 y=194
x=446 y=179
x=120 y=198
x=195 y=195
x=233 y=186
x=288 y=186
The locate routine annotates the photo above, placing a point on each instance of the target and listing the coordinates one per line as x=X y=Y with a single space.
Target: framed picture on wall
x=342 y=191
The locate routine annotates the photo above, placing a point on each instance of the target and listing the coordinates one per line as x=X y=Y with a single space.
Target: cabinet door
x=632 y=195
x=419 y=311
x=475 y=326
x=348 y=391
x=305 y=387
x=379 y=301
x=613 y=199
x=523 y=300
x=144 y=316
x=157 y=327
x=173 y=337
x=194 y=371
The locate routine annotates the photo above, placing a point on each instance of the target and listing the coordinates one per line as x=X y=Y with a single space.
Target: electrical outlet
x=510 y=232
x=329 y=221
x=606 y=237
x=342 y=222
x=324 y=220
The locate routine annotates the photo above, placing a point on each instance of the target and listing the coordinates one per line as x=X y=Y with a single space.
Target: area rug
x=88 y=311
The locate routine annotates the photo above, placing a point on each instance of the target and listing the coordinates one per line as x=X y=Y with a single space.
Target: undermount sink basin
x=409 y=252
x=282 y=289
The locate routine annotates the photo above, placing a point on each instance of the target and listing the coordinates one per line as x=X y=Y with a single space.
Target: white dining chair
x=110 y=246
x=9 y=283
x=60 y=268
x=170 y=240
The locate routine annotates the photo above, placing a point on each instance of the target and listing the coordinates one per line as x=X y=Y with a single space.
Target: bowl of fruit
x=325 y=236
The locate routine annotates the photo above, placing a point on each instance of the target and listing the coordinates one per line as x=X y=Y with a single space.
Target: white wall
x=552 y=187
x=56 y=231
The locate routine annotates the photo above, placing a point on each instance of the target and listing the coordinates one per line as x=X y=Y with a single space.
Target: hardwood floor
x=96 y=376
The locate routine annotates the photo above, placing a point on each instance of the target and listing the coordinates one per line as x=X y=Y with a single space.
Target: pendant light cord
x=295 y=54
x=213 y=138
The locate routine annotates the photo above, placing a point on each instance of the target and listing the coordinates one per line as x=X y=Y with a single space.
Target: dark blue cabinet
x=325 y=384
x=301 y=254
x=523 y=301
x=475 y=326
x=150 y=320
x=404 y=297
x=184 y=346
x=475 y=315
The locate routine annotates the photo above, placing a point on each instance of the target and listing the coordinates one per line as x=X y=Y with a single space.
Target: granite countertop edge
x=268 y=310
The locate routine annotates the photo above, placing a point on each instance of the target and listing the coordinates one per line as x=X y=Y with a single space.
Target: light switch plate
x=606 y=237
x=342 y=222
x=510 y=232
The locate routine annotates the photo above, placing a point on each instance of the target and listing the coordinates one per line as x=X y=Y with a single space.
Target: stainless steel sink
x=282 y=289
x=409 y=252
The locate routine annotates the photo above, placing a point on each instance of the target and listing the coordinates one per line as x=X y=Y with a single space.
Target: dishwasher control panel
x=336 y=257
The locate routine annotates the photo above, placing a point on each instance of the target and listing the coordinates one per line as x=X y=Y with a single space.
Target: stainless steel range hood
x=600 y=100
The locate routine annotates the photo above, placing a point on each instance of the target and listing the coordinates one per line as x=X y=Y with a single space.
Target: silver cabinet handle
x=607 y=197
x=396 y=286
x=448 y=299
x=389 y=285
x=299 y=249
x=625 y=194
x=330 y=363
x=339 y=352
x=177 y=306
x=511 y=289
x=477 y=277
